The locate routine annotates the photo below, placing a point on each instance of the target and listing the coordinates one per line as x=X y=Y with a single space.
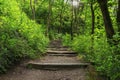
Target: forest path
x=60 y=63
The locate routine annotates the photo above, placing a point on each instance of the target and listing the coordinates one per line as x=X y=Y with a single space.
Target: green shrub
x=20 y=37
x=66 y=39
x=105 y=56
x=81 y=43
x=106 y=59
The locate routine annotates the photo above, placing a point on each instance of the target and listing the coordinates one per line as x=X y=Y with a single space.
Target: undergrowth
x=97 y=50
x=20 y=37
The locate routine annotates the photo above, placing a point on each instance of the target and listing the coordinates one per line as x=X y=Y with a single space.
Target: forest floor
x=20 y=72
x=58 y=65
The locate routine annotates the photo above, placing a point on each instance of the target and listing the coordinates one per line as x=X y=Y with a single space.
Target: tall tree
x=118 y=16
x=33 y=8
x=35 y=1
x=93 y=17
x=72 y=21
x=61 y=16
x=49 y=18
x=93 y=25
x=107 y=20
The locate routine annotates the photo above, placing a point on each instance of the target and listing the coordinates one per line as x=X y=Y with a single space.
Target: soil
x=20 y=72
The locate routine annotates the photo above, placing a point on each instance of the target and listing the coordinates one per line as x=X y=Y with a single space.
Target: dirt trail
x=21 y=72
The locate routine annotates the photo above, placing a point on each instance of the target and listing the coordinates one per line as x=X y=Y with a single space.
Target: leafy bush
x=105 y=56
x=20 y=37
x=106 y=59
x=81 y=44
x=66 y=39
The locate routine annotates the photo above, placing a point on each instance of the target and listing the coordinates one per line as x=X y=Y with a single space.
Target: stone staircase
x=58 y=57
x=59 y=63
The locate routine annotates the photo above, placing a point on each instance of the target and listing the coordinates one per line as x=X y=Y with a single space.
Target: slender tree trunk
x=93 y=27
x=107 y=20
x=49 y=14
x=61 y=13
x=72 y=16
x=93 y=18
x=118 y=16
x=31 y=5
x=75 y=20
x=32 y=9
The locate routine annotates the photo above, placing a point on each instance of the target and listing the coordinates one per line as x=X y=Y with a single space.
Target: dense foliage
x=95 y=46
x=20 y=37
x=105 y=57
x=92 y=29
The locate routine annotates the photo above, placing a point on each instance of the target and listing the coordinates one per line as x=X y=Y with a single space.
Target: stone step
x=54 y=66
x=55 y=43
x=57 y=62
x=57 y=59
x=59 y=49
x=60 y=52
x=57 y=46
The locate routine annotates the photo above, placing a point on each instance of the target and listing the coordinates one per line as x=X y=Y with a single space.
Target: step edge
x=60 y=64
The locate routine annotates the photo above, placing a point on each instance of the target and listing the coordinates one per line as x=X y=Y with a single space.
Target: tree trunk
x=49 y=19
x=107 y=20
x=118 y=16
x=72 y=16
x=75 y=20
x=93 y=18
x=32 y=9
x=61 y=13
x=31 y=5
x=93 y=27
